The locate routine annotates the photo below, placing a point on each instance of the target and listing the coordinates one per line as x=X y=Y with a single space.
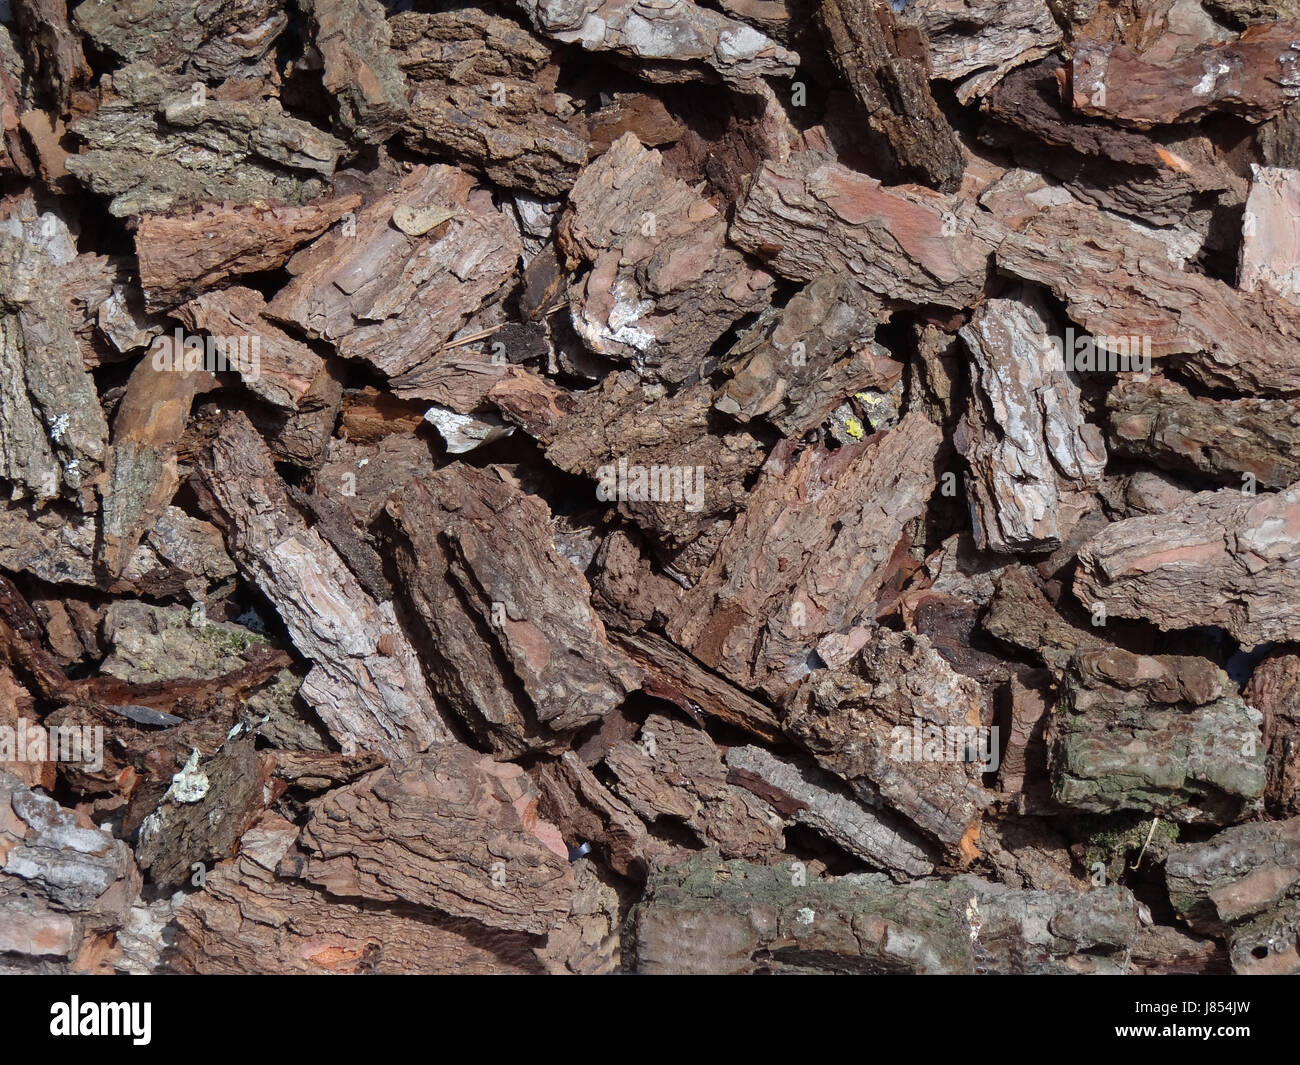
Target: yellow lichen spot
x=853 y=427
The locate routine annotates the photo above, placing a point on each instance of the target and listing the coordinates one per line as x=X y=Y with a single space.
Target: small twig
x=1154 y=821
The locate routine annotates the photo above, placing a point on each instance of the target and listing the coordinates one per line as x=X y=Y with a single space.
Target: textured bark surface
x=655 y=237
x=808 y=556
x=1229 y=441
x=1157 y=734
x=1221 y=558
x=886 y=65
x=1254 y=76
x=524 y=658
x=849 y=718
x=742 y=918
x=660 y=38
x=365 y=682
x=1024 y=435
x=1244 y=883
x=976 y=46
x=794 y=367
x=180 y=258
x=762 y=486
x=142 y=142
x=451 y=830
x=248 y=920
x=418 y=260
x=809 y=215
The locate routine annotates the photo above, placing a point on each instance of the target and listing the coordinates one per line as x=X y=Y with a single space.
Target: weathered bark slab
x=519 y=652
x=654 y=455
x=53 y=49
x=671 y=43
x=53 y=435
x=866 y=723
x=1162 y=734
x=210 y=804
x=1024 y=434
x=663 y=284
x=485 y=93
x=142 y=473
x=886 y=63
x=285 y=372
x=1243 y=884
x=248 y=920
x=1254 y=76
x=808 y=556
x=1270 y=234
x=366 y=683
x=65 y=885
x=675 y=771
x=790 y=367
x=586 y=811
x=150 y=126
x=183 y=254
x=977 y=46
x=807 y=796
x=451 y=830
x=214 y=38
x=1227 y=440
x=1221 y=558
x=707 y=916
x=418 y=261
x=360 y=73
x=673 y=675
x=1160 y=176
x=807 y=216
x=1241 y=341
x=1274 y=690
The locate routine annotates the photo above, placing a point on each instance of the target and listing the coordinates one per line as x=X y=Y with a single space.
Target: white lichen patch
x=190 y=784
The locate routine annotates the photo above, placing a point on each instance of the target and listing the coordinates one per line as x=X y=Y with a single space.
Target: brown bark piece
x=663 y=284
x=807 y=216
x=975 y=47
x=1270 y=245
x=1274 y=690
x=1161 y=734
x=886 y=63
x=1254 y=76
x=53 y=436
x=248 y=920
x=185 y=253
x=366 y=683
x=391 y=295
x=451 y=830
x=142 y=473
x=1116 y=288
x=1221 y=558
x=282 y=370
x=485 y=93
x=654 y=456
x=870 y=722
x=521 y=655
x=1024 y=434
x=1234 y=441
x=676 y=771
x=808 y=556
x=791 y=367
x=361 y=73
x=668 y=41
